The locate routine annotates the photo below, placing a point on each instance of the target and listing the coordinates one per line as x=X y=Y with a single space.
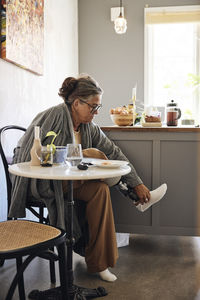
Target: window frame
x=148 y=63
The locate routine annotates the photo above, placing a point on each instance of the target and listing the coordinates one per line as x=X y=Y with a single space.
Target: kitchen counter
x=162 y=154
x=153 y=129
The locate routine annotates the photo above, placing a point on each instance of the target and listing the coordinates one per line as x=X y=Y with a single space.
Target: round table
x=64 y=172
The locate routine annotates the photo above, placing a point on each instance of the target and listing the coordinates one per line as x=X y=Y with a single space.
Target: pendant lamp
x=120 y=22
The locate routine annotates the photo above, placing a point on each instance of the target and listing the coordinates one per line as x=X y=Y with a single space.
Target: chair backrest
x=5 y=159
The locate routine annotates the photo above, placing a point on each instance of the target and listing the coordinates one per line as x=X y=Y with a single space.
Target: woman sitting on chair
x=82 y=101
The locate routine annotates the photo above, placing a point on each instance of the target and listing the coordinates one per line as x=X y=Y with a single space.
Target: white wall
x=22 y=93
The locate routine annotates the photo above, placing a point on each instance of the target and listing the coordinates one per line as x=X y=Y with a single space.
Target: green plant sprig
x=51 y=146
x=52 y=133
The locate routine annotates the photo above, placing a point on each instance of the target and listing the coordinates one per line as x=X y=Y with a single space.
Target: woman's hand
x=143 y=193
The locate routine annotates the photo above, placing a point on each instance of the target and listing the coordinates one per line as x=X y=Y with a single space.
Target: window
x=172 y=58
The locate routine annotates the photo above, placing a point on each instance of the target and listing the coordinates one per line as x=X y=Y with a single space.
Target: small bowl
x=60 y=155
x=123 y=120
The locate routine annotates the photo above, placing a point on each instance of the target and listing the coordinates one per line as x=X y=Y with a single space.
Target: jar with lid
x=173 y=113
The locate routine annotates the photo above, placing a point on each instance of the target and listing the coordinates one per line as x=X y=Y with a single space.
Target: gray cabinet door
x=169 y=157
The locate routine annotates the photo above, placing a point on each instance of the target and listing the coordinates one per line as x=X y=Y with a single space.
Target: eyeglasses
x=94 y=108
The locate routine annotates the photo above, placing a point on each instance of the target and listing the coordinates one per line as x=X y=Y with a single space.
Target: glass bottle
x=36 y=148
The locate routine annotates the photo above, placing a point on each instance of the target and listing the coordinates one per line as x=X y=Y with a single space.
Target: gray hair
x=83 y=87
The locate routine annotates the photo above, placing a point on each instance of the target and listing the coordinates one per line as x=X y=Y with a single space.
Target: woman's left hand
x=143 y=193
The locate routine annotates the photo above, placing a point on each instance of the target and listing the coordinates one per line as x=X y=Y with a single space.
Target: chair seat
x=20 y=238
x=22 y=234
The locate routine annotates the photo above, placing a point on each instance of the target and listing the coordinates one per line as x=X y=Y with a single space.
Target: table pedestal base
x=76 y=293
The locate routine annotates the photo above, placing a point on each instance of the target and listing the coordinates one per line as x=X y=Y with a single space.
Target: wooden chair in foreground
x=31 y=204
x=21 y=238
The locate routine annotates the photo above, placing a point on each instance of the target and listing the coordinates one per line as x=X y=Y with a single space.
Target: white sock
x=156 y=195
x=107 y=275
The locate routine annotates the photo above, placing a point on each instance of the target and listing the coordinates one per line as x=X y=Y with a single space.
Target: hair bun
x=83 y=87
x=68 y=86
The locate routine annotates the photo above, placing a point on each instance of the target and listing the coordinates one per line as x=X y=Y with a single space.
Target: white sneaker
x=156 y=195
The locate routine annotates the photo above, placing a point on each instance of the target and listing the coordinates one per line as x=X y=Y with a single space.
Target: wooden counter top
x=151 y=129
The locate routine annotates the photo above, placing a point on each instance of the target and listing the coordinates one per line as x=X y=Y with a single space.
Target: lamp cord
x=120 y=6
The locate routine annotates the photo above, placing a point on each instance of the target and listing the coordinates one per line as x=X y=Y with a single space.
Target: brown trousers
x=101 y=251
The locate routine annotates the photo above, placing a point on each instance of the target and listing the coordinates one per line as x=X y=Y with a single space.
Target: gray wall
x=115 y=61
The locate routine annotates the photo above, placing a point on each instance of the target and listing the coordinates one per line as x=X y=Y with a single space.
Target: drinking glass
x=74 y=154
x=46 y=156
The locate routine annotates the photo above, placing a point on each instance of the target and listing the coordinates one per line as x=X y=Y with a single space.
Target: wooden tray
x=152 y=124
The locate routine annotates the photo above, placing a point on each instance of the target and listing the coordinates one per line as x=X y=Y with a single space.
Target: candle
x=133 y=101
x=134 y=94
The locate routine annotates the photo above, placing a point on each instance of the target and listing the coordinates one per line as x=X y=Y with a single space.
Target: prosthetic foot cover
x=156 y=195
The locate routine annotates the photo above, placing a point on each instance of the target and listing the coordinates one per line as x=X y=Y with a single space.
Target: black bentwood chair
x=21 y=238
x=31 y=204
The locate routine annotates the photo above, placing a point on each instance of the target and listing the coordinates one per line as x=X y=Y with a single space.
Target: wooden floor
x=150 y=268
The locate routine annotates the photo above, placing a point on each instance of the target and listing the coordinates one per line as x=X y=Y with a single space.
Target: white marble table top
x=64 y=172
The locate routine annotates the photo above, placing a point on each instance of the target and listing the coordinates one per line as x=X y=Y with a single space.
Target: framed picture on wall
x=22 y=33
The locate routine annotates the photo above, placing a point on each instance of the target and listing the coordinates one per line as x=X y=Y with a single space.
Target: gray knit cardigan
x=55 y=119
